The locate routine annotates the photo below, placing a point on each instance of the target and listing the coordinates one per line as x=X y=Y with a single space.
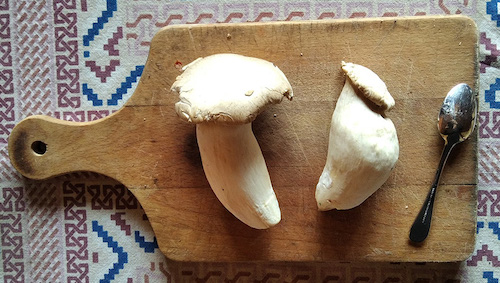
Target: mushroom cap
x=228 y=88
x=369 y=84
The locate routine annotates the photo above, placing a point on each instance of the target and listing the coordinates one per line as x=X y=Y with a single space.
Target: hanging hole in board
x=39 y=147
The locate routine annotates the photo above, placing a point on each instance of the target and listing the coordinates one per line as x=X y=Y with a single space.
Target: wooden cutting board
x=151 y=151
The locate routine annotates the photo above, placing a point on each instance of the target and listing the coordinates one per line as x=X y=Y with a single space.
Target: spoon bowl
x=456 y=121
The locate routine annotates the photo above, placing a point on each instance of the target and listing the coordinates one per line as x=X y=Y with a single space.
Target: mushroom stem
x=236 y=170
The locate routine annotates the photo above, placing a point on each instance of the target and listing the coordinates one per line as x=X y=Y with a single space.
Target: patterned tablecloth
x=80 y=60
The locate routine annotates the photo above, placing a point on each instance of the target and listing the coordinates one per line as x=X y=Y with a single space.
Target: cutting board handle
x=41 y=147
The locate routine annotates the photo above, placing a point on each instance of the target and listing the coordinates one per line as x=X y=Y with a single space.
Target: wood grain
x=151 y=151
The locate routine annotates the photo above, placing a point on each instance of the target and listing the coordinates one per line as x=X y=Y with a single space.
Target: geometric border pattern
x=12 y=208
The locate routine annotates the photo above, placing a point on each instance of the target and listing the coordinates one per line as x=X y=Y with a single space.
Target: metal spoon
x=456 y=122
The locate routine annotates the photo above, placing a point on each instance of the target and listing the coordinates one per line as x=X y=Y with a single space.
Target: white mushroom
x=223 y=94
x=363 y=145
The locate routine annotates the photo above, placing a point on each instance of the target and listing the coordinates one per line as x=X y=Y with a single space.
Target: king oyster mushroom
x=363 y=145
x=222 y=94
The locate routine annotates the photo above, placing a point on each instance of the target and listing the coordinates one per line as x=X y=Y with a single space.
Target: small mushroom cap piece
x=228 y=88
x=369 y=84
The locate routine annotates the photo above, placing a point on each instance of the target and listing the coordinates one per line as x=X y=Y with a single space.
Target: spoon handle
x=420 y=228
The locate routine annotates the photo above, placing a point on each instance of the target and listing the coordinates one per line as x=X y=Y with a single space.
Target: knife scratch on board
x=192 y=39
x=294 y=131
x=348 y=49
x=408 y=86
x=387 y=33
x=161 y=111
